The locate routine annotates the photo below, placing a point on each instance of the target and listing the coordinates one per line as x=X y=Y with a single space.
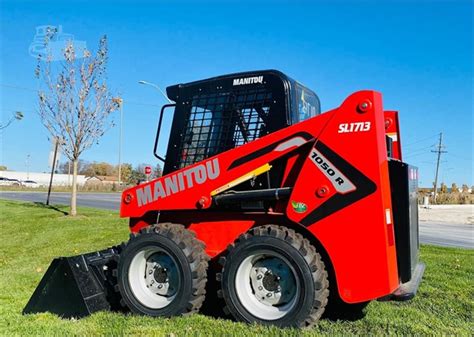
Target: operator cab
x=220 y=113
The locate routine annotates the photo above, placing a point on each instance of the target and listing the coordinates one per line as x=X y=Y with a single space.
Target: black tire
x=189 y=270
x=299 y=256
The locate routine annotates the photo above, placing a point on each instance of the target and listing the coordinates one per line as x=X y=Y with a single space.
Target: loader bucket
x=76 y=286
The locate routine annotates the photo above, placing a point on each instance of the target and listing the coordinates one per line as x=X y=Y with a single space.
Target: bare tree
x=66 y=167
x=74 y=101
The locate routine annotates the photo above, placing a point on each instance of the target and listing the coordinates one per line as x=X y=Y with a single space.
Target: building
x=43 y=178
x=101 y=180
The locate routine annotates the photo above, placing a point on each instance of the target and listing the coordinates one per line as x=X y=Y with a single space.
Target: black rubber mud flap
x=73 y=286
x=407 y=290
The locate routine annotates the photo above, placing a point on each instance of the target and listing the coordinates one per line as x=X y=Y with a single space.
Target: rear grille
x=221 y=121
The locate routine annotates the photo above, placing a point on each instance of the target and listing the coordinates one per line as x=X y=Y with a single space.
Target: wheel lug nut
x=269 y=295
x=260 y=288
x=259 y=277
x=160 y=286
x=150 y=272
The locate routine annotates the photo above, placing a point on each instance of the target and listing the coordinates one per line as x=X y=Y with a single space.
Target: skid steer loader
x=281 y=203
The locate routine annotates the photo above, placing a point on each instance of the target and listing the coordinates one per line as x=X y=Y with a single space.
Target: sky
x=418 y=54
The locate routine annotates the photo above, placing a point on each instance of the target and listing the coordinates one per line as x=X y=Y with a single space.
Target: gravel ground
x=447 y=214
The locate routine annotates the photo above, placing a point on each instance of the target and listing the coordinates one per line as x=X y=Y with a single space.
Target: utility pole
x=53 y=166
x=438 y=150
x=120 y=102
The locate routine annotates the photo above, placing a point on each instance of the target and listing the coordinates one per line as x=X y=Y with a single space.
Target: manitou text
x=178 y=182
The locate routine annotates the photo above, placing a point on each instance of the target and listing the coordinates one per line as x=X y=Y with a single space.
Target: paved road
x=441 y=234
x=97 y=200
x=448 y=235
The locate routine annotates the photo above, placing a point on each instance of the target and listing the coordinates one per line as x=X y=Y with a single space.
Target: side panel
x=190 y=188
x=404 y=182
x=218 y=235
x=348 y=206
x=219 y=229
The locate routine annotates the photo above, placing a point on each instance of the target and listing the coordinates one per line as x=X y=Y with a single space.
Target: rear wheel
x=272 y=275
x=162 y=271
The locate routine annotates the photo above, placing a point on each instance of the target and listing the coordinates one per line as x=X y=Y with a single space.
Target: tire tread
x=195 y=255
x=306 y=249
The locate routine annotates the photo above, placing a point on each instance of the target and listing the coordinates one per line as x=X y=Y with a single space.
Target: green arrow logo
x=299 y=207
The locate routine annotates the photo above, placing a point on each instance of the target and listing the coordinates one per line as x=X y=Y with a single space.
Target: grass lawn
x=32 y=235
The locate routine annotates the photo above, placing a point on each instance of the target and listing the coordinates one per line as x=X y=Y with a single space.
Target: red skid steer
x=289 y=209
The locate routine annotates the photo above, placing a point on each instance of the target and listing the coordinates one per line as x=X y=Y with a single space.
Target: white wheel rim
x=263 y=300
x=153 y=277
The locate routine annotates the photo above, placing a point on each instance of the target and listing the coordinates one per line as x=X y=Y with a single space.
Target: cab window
x=306 y=104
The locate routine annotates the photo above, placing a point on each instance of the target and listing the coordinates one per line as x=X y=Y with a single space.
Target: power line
x=424 y=148
x=144 y=104
x=16 y=87
x=459 y=157
x=416 y=154
x=124 y=100
x=421 y=140
x=420 y=151
x=19 y=109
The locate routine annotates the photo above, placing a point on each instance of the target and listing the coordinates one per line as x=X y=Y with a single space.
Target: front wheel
x=272 y=275
x=162 y=271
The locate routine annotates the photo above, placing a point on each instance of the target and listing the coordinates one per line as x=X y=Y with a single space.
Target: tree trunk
x=74 y=188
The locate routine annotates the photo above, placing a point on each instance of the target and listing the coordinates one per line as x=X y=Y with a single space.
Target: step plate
x=407 y=290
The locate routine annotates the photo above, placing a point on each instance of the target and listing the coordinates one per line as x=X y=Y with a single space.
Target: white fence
x=43 y=178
